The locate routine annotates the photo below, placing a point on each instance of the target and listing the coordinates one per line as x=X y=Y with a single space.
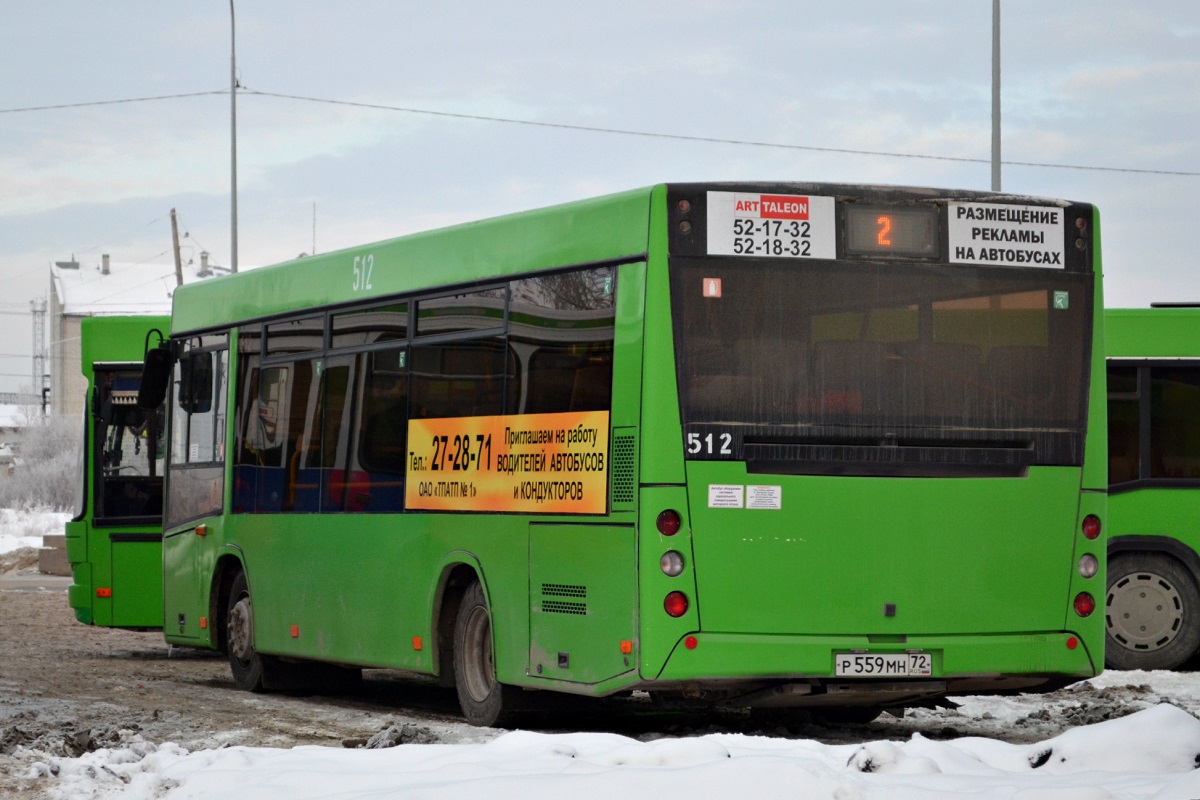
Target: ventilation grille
x=623 y=470
x=559 y=607
x=563 y=590
x=563 y=606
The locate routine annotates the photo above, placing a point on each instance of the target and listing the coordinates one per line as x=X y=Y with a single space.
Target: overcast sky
x=1103 y=84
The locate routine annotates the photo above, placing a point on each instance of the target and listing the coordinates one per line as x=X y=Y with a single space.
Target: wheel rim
x=479 y=672
x=241 y=629
x=1145 y=612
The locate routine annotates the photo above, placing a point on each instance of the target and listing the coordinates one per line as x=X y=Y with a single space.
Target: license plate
x=882 y=665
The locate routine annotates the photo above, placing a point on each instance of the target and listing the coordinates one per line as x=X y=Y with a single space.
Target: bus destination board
x=771 y=225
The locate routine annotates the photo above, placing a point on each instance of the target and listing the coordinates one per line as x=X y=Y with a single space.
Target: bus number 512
x=363 y=267
x=708 y=445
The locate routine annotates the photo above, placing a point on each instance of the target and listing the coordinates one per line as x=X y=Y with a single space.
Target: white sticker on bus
x=725 y=495
x=771 y=225
x=766 y=497
x=994 y=234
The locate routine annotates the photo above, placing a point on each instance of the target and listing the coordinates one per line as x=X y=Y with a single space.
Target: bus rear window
x=873 y=350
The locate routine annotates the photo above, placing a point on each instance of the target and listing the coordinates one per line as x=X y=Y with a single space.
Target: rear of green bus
x=114 y=542
x=886 y=489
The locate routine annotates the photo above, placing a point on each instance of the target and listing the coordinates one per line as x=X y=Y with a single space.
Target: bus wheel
x=484 y=700
x=245 y=663
x=1152 y=613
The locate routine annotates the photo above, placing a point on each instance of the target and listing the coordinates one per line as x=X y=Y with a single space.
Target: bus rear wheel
x=484 y=700
x=1152 y=613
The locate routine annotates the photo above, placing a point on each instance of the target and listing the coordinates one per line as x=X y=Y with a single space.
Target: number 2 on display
x=885 y=229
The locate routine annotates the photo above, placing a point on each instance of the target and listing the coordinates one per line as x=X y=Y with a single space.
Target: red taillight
x=669 y=522
x=676 y=604
x=1091 y=526
x=1085 y=604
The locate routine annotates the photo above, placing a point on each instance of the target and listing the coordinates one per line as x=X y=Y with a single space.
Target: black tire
x=244 y=661
x=1151 y=612
x=484 y=701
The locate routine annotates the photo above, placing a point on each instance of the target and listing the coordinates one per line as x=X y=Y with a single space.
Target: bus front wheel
x=484 y=700
x=244 y=661
x=1152 y=612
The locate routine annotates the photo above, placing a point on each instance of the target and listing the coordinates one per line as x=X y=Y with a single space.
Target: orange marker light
x=204 y=623
x=103 y=591
x=417 y=643
x=202 y=530
x=626 y=647
x=295 y=631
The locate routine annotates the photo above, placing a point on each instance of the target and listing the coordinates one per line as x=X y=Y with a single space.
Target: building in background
x=79 y=290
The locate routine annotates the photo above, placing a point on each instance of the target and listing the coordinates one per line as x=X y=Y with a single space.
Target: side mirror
x=195 y=382
x=156 y=376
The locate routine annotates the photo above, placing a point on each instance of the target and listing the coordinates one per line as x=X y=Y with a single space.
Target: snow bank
x=24 y=527
x=1150 y=754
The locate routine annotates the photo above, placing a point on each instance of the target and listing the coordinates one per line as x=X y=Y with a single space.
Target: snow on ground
x=1152 y=754
x=26 y=527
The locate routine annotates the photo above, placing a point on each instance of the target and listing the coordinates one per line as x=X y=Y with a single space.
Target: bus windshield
x=852 y=351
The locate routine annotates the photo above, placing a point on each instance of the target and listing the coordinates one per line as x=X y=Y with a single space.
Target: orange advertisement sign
x=528 y=463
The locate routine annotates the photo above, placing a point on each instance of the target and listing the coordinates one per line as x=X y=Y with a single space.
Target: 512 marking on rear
x=710 y=444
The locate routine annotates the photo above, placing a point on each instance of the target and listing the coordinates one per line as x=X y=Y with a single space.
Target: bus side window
x=562 y=335
x=378 y=484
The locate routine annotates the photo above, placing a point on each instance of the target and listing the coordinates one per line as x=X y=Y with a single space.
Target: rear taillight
x=1085 y=604
x=669 y=522
x=1091 y=526
x=676 y=604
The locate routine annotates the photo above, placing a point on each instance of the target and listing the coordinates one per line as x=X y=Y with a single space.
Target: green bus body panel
x=1095 y=463
x=1161 y=511
x=118 y=338
x=603 y=229
x=132 y=570
x=582 y=590
x=1152 y=332
x=840 y=550
x=981 y=572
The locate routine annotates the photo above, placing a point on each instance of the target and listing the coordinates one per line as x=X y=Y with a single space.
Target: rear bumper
x=799 y=670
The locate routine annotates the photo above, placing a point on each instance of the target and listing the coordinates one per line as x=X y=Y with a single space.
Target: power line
x=90 y=103
x=613 y=131
x=712 y=140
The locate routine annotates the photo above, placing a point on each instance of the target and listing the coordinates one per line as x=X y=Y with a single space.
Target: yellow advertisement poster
x=528 y=463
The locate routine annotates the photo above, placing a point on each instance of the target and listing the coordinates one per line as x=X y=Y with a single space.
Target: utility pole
x=233 y=242
x=995 y=95
x=38 y=307
x=175 y=242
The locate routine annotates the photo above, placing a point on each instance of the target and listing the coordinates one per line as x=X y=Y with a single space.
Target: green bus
x=1153 y=603
x=114 y=543
x=735 y=445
